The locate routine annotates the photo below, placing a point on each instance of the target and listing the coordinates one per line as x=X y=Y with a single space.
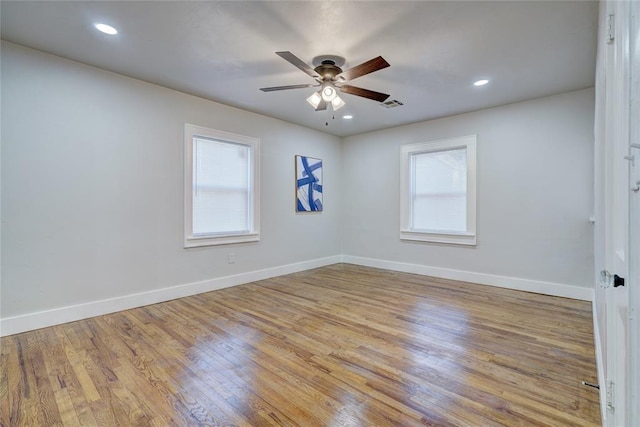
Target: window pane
x=220 y=187
x=439 y=197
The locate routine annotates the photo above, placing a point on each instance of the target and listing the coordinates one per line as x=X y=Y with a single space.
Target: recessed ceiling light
x=347 y=117
x=481 y=82
x=107 y=29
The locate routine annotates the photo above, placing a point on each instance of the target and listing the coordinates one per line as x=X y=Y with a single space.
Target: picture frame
x=309 y=186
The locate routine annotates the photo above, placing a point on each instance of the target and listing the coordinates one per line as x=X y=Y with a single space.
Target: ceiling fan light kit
x=331 y=78
x=319 y=101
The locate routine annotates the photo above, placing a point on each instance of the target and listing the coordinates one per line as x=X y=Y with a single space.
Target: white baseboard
x=539 y=287
x=599 y=362
x=56 y=316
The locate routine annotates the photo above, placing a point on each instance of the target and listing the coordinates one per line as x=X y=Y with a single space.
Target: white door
x=618 y=217
x=618 y=248
x=634 y=278
x=634 y=219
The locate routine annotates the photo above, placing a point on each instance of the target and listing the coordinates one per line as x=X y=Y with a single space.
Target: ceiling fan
x=330 y=78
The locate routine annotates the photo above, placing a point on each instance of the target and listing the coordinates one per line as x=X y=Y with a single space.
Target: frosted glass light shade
x=329 y=93
x=314 y=99
x=337 y=103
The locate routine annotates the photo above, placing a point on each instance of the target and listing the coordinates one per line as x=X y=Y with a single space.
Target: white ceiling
x=225 y=51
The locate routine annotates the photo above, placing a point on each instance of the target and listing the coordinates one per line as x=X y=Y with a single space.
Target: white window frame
x=406 y=209
x=253 y=234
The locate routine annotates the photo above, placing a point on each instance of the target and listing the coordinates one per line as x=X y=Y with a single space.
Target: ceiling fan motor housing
x=328 y=70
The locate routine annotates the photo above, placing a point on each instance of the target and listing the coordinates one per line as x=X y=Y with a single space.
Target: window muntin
x=221 y=187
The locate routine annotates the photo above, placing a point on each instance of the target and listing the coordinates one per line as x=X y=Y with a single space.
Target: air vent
x=391 y=104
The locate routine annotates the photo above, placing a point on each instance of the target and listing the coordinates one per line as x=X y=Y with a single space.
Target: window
x=438 y=191
x=221 y=187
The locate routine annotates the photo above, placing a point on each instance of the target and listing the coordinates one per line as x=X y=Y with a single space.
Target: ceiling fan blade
x=294 y=60
x=274 y=88
x=322 y=105
x=370 y=66
x=365 y=93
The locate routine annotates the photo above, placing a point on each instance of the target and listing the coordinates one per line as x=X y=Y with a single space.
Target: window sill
x=194 y=242
x=468 y=239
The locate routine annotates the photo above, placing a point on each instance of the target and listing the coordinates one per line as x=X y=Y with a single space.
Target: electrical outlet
x=232 y=257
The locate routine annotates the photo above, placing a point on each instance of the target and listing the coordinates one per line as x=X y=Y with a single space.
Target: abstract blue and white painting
x=308 y=184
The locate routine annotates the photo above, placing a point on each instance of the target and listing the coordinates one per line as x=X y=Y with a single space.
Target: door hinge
x=611 y=27
x=610 y=395
x=631 y=157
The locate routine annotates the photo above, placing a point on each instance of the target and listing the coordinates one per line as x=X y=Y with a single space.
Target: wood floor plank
x=339 y=345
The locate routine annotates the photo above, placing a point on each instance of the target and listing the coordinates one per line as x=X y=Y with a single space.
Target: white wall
x=92 y=196
x=92 y=190
x=535 y=197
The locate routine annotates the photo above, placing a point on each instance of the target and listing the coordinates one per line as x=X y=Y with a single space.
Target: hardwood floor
x=337 y=346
